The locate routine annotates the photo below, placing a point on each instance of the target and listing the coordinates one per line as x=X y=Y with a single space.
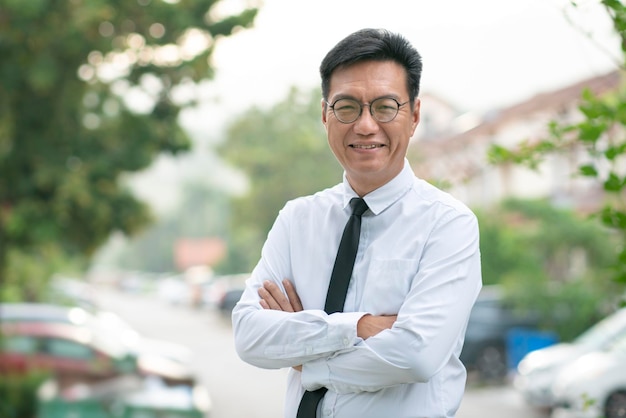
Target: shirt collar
x=383 y=197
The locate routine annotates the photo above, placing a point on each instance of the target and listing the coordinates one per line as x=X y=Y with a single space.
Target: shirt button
x=327 y=412
x=346 y=342
x=309 y=350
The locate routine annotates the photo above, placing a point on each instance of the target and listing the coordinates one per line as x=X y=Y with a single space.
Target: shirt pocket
x=387 y=285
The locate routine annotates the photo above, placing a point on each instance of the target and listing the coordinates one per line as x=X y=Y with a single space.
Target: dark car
x=214 y=293
x=491 y=321
x=229 y=299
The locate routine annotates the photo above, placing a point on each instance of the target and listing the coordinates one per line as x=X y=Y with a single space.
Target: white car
x=538 y=369
x=594 y=385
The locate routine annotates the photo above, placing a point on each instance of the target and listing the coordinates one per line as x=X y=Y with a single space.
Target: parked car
x=83 y=350
x=485 y=347
x=537 y=371
x=91 y=351
x=214 y=292
x=593 y=385
x=108 y=324
x=113 y=325
x=71 y=353
x=229 y=299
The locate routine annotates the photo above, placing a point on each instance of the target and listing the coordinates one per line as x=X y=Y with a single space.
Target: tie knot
x=358 y=206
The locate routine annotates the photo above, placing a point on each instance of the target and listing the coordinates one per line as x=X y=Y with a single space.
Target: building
x=457 y=156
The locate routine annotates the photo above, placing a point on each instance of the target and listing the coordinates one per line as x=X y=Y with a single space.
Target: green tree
x=88 y=94
x=533 y=236
x=284 y=154
x=599 y=135
x=550 y=262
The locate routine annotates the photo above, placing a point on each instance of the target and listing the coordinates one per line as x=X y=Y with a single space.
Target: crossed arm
x=272 y=330
x=273 y=298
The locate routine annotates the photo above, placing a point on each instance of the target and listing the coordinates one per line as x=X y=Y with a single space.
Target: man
x=393 y=350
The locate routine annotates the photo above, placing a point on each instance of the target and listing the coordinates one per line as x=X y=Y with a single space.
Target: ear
x=324 y=107
x=415 y=115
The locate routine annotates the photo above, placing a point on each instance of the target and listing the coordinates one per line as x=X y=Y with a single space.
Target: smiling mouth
x=370 y=146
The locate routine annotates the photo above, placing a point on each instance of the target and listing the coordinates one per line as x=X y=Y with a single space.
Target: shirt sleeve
x=430 y=327
x=275 y=339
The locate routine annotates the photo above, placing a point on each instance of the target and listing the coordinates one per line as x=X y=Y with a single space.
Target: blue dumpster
x=521 y=341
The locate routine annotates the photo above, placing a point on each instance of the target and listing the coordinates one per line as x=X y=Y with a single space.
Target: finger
x=269 y=299
x=293 y=295
x=278 y=296
x=264 y=304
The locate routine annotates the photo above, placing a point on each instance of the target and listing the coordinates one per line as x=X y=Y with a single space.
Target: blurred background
x=147 y=146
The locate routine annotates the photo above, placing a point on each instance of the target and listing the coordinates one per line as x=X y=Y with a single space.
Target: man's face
x=371 y=152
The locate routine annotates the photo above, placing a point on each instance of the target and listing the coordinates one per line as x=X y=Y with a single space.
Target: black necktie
x=337 y=289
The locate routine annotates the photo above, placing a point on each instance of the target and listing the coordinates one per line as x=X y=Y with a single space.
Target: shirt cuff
x=315 y=373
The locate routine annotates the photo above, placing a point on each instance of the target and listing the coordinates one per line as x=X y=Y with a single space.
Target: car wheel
x=615 y=406
x=491 y=363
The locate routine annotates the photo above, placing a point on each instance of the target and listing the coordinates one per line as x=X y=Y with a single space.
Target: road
x=240 y=390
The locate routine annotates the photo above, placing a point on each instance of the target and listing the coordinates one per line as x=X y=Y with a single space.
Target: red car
x=76 y=354
x=71 y=353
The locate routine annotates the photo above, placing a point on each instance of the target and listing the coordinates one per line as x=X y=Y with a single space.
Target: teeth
x=372 y=146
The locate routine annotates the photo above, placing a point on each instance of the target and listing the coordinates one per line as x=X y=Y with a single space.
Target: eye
x=346 y=106
x=385 y=106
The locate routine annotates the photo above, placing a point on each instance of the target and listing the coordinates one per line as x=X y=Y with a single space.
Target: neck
x=364 y=184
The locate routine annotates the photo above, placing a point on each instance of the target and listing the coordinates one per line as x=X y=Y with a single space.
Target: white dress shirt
x=418 y=257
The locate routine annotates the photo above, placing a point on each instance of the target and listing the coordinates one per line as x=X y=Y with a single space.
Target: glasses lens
x=347 y=110
x=384 y=109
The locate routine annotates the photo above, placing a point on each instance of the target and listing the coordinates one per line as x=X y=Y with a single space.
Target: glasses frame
x=362 y=105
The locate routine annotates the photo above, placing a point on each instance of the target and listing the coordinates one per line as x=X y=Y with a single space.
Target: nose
x=365 y=123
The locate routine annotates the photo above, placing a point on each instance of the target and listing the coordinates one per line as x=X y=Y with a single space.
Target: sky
x=478 y=55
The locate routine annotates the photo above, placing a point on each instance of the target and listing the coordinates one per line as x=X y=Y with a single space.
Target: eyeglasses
x=384 y=109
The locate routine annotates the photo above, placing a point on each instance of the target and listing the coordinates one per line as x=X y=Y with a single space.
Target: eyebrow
x=347 y=96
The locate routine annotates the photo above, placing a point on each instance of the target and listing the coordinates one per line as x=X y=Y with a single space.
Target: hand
x=370 y=325
x=273 y=298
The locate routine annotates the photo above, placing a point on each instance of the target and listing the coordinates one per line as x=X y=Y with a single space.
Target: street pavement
x=239 y=390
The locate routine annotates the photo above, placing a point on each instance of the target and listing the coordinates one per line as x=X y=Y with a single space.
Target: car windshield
x=63 y=348
x=604 y=331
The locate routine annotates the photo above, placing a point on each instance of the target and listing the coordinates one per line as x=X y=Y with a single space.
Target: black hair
x=376 y=45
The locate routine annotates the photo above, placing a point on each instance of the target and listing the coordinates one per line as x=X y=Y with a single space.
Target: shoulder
x=319 y=202
x=436 y=199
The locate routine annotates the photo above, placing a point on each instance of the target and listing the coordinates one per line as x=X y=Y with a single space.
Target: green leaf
x=613 y=183
x=591 y=131
x=613 y=218
x=588 y=170
x=498 y=154
x=612 y=152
